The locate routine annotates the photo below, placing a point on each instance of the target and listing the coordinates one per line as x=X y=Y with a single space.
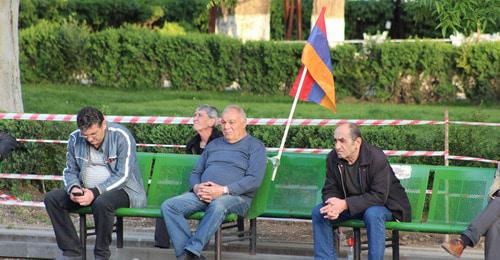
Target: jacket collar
x=363 y=155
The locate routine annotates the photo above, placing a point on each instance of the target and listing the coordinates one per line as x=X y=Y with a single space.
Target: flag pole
x=276 y=159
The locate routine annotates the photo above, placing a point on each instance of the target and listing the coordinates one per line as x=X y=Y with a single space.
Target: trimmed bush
x=135 y=57
x=52 y=52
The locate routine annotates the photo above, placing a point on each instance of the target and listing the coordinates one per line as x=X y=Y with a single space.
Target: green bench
x=168 y=175
x=458 y=194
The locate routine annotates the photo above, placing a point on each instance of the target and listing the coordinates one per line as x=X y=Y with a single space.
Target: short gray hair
x=354 y=129
x=237 y=108
x=211 y=111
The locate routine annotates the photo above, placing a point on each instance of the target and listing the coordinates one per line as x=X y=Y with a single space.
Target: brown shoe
x=455 y=247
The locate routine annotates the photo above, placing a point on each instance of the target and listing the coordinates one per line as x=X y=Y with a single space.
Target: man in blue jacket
x=101 y=171
x=224 y=180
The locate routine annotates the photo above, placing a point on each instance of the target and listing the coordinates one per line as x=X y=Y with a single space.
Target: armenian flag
x=318 y=85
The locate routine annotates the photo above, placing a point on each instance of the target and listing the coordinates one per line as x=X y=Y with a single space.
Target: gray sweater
x=240 y=166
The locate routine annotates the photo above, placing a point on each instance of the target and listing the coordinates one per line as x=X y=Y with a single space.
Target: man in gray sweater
x=224 y=180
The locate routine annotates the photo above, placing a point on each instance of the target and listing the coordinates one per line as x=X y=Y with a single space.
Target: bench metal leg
x=83 y=235
x=241 y=225
x=253 y=236
x=218 y=244
x=119 y=232
x=395 y=244
x=357 y=244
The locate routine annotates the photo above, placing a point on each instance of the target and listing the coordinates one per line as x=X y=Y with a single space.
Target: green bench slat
x=297 y=187
x=411 y=226
x=458 y=194
x=416 y=187
x=145 y=161
x=149 y=213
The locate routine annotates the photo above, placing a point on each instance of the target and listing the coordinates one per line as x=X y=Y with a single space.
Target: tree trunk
x=334 y=19
x=10 y=84
x=250 y=20
x=397 y=30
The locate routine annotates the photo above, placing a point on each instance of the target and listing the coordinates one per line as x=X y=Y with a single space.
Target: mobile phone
x=77 y=193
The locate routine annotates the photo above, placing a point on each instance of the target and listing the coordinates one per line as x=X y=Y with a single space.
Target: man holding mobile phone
x=101 y=172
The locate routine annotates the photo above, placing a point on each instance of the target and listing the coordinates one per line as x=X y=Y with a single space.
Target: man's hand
x=85 y=199
x=208 y=191
x=333 y=208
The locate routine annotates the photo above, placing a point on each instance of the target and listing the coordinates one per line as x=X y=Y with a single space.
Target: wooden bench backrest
x=459 y=194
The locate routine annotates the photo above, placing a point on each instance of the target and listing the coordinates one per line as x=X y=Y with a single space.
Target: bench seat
x=412 y=226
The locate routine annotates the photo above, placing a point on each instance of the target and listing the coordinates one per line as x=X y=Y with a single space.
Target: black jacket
x=193 y=146
x=7 y=144
x=377 y=180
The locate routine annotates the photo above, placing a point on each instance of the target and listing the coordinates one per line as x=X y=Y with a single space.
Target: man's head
x=92 y=126
x=347 y=140
x=234 y=122
x=205 y=117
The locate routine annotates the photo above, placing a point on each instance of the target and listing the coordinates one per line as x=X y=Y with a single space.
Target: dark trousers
x=58 y=206
x=162 y=239
x=487 y=223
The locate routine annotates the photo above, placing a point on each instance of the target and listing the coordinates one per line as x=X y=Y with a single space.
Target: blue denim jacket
x=119 y=148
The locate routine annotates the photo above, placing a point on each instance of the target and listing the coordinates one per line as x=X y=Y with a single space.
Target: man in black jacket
x=359 y=184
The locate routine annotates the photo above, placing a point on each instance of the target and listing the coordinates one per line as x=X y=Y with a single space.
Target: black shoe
x=162 y=246
x=191 y=256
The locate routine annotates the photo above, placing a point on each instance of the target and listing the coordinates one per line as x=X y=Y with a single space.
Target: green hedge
x=133 y=57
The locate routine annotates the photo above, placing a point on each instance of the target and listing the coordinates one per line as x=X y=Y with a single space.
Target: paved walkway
x=39 y=243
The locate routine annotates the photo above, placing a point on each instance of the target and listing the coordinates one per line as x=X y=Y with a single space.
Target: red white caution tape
x=300 y=150
x=304 y=150
x=250 y=121
x=475 y=159
x=65 y=142
x=41 y=141
x=22 y=203
x=26 y=176
x=413 y=153
x=6 y=199
x=474 y=123
x=289 y=150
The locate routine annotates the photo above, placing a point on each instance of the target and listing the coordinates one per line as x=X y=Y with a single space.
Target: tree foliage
x=466 y=16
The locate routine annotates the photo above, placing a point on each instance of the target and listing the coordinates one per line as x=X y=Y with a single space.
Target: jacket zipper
x=342 y=180
x=359 y=179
